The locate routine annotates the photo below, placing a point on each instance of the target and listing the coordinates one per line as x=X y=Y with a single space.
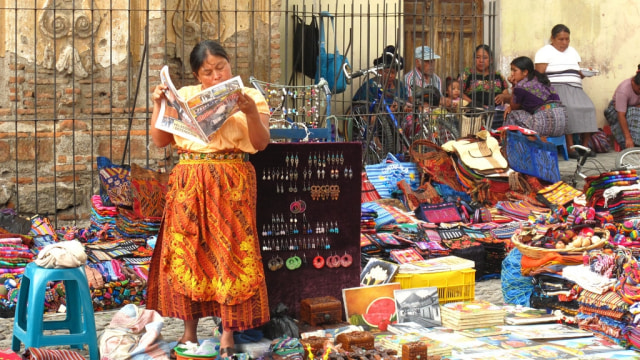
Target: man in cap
x=422 y=80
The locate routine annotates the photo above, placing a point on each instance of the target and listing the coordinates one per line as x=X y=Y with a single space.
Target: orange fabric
x=207 y=259
x=528 y=264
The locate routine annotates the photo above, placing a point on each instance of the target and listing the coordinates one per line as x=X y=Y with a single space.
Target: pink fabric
x=44 y=354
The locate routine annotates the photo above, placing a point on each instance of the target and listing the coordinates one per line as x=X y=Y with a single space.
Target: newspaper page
x=200 y=116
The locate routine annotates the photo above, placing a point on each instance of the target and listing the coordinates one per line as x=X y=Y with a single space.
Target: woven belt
x=238 y=156
x=548 y=106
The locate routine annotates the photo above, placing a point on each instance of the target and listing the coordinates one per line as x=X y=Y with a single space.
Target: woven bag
x=435 y=162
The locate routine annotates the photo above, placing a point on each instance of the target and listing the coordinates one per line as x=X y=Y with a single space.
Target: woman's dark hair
x=636 y=79
x=558 y=29
x=390 y=59
x=487 y=49
x=202 y=49
x=525 y=63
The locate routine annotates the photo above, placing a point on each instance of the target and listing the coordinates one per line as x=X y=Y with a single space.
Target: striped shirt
x=562 y=67
x=414 y=79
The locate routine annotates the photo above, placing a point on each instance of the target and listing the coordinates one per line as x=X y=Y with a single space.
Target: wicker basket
x=535 y=252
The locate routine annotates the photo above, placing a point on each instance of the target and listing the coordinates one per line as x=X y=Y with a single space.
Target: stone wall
x=68 y=95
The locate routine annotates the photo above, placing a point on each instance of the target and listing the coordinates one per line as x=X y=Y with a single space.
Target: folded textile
x=588 y=279
x=134 y=333
x=65 y=254
x=50 y=354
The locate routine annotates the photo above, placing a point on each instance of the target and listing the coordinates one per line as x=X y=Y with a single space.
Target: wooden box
x=317 y=344
x=359 y=339
x=321 y=310
x=414 y=350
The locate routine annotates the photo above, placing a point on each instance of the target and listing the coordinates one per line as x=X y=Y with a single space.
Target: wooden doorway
x=452 y=28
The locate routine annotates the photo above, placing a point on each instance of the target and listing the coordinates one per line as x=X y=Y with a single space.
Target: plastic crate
x=459 y=285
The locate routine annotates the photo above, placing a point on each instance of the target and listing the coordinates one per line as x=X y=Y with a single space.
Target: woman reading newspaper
x=207 y=261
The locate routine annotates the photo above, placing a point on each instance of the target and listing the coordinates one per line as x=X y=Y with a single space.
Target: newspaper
x=200 y=116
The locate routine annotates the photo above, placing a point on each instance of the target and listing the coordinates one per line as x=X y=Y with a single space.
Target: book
x=547 y=331
x=524 y=316
x=439 y=264
x=482 y=332
x=418 y=305
x=586 y=346
x=201 y=115
x=377 y=272
x=407 y=328
x=471 y=314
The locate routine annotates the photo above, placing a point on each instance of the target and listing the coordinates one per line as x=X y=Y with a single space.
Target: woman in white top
x=561 y=63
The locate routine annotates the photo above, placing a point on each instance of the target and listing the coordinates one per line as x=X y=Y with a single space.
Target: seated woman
x=483 y=86
x=623 y=113
x=534 y=105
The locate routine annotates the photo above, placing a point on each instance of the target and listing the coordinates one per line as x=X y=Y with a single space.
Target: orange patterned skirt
x=207 y=259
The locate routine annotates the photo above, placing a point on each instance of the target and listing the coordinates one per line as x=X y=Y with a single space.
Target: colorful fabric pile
x=606 y=315
x=595 y=186
x=129 y=225
x=14 y=255
x=103 y=218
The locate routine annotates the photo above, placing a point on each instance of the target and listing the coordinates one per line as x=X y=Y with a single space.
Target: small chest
x=414 y=350
x=355 y=339
x=321 y=310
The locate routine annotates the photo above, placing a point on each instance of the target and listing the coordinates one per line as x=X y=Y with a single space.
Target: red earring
x=318 y=262
x=346 y=260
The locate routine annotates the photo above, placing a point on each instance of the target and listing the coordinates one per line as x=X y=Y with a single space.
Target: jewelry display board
x=308 y=218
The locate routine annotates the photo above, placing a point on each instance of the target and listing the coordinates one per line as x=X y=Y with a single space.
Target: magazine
x=522 y=316
x=198 y=117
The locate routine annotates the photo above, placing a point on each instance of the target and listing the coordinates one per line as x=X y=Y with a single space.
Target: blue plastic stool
x=29 y=324
x=560 y=141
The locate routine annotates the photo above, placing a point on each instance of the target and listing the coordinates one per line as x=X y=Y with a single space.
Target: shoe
x=574 y=155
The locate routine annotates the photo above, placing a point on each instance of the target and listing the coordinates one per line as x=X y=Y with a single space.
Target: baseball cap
x=425 y=53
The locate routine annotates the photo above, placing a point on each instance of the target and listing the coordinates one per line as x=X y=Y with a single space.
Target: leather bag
x=481 y=154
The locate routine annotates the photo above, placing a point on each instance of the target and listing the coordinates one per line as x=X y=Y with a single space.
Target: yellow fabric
x=233 y=135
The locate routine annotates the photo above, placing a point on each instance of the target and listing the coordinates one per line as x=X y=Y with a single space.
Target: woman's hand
x=507 y=110
x=247 y=105
x=502 y=99
x=159 y=94
x=628 y=142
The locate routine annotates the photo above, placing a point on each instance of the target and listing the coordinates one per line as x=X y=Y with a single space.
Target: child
x=453 y=99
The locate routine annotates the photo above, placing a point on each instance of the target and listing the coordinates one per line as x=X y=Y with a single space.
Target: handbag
x=483 y=156
x=386 y=175
x=532 y=156
x=438 y=213
x=306 y=38
x=330 y=64
x=435 y=162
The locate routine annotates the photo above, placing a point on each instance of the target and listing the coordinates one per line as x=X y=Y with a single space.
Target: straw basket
x=535 y=252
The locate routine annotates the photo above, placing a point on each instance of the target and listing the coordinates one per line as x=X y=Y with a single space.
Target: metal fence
x=79 y=75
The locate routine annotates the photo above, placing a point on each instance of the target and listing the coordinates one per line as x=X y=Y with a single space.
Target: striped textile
x=46 y=354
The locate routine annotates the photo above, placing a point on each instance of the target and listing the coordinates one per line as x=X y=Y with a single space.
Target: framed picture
x=372 y=307
x=378 y=272
x=419 y=305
